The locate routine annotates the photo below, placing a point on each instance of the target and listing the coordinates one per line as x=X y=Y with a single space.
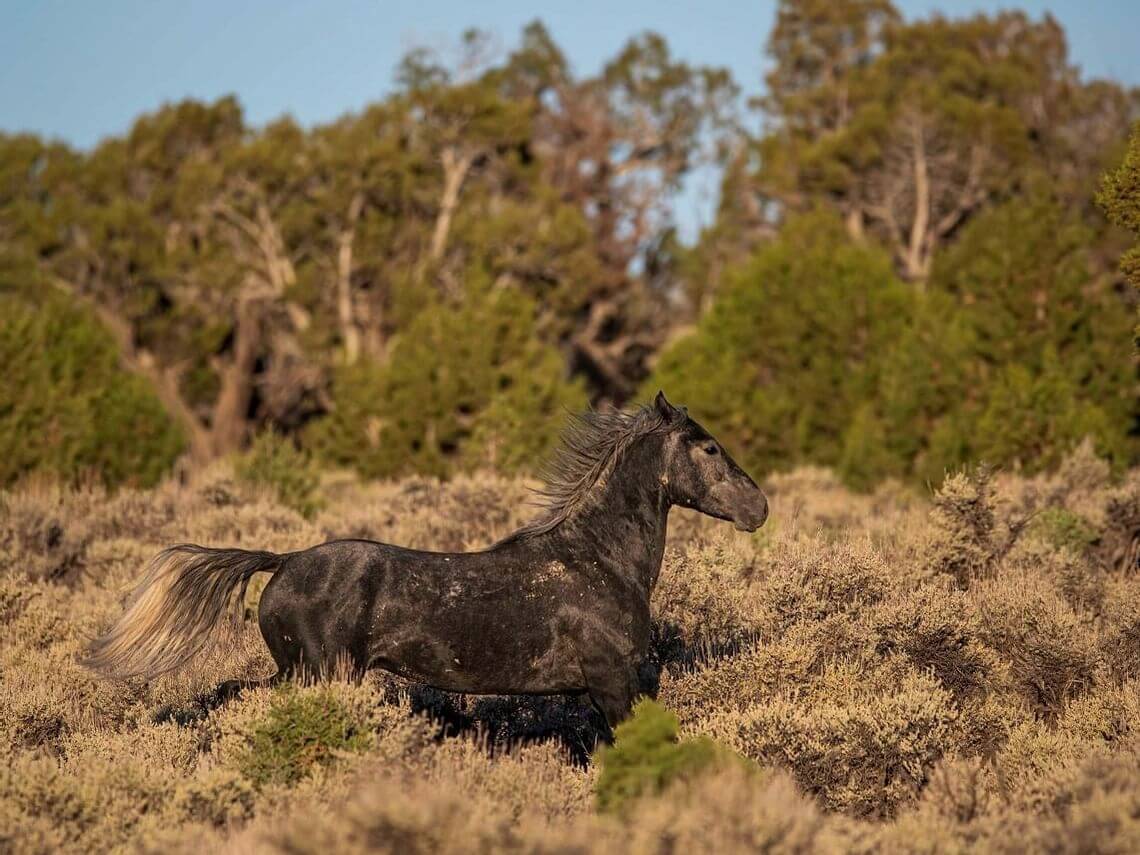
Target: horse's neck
x=624 y=522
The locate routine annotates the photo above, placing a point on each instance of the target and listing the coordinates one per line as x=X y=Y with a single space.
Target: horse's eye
x=711 y=449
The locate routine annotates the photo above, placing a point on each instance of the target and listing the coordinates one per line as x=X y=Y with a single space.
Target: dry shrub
x=1051 y=649
x=1120 y=635
x=865 y=754
x=836 y=645
x=985 y=722
x=218 y=797
x=1079 y=480
x=1080 y=580
x=933 y=627
x=958 y=790
x=735 y=683
x=972 y=529
x=92 y=807
x=1108 y=714
x=813 y=500
x=1037 y=762
x=468 y=512
x=731 y=811
x=705 y=599
x=44 y=531
x=1119 y=546
x=808 y=580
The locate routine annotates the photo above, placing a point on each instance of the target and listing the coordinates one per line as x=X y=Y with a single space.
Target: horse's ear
x=664 y=409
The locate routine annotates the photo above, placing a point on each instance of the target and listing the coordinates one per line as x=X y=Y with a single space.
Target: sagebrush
x=874 y=672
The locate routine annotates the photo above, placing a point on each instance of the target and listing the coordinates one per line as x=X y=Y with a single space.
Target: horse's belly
x=550 y=668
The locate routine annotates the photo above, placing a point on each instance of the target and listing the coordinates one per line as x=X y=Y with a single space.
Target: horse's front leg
x=613 y=686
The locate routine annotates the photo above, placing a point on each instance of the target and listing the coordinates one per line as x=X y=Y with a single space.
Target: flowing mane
x=592 y=443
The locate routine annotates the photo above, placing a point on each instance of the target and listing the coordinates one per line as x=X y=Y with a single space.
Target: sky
x=80 y=71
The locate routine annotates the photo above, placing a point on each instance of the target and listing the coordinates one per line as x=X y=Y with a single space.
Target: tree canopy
x=907 y=269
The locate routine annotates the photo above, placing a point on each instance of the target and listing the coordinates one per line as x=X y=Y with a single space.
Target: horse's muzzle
x=752 y=517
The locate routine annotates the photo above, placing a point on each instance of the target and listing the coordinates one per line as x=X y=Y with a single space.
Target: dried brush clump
x=953 y=673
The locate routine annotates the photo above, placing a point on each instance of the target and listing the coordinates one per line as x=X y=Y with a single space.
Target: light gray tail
x=174 y=612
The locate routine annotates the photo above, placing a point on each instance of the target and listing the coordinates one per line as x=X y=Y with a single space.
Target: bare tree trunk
x=278 y=266
x=348 y=329
x=165 y=382
x=915 y=261
x=231 y=409
x=455 y=169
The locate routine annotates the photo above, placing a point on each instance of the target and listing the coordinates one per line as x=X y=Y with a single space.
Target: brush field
x=901 y=673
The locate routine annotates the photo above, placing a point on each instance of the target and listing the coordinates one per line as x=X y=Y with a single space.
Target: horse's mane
x=592 y=443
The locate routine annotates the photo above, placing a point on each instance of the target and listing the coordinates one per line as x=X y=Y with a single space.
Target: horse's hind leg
x=286 y=655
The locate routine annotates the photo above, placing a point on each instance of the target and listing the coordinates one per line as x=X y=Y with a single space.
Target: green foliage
x=1045 y=352
x=782 y=364
x=815 y=352
x=465 y=386
x=301 y=731
x=1065 y=529
x=423 y=286
x=1120 y=198
x=275 y=463
x=66 y=405
x=906 y=128
x=647 y=757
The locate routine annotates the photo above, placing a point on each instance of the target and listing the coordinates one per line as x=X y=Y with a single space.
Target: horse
x=560 y=606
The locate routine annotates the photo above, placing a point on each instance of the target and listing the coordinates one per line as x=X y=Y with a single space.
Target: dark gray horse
x=559 y=607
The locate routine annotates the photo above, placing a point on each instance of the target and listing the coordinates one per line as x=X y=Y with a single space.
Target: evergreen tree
x=66 y=406
x=783 y=361
x=1048 y=358
x=1120 y=198
x=464 y=387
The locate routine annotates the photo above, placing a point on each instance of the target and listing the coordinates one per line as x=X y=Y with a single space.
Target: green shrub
x=275 y=463
x=1064 y=529
x=302 y=730
x=1120 y=198
x=647 y=757
x=67 y=407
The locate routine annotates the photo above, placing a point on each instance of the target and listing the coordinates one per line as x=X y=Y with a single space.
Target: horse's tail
x=174 y=612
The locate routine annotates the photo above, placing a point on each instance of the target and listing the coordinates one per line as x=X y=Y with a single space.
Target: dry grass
x=907 y=675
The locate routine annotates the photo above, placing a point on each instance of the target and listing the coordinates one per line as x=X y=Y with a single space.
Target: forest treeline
x=915 y=261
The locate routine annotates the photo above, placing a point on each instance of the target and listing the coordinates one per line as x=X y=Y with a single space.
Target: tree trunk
x=455 y=168
x=916 y=256
x=231 y=410
x=345 y=313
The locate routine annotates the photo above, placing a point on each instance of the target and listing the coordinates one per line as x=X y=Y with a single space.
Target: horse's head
x=699 y=473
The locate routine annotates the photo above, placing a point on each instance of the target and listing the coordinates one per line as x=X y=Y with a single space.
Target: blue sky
x=82 y=70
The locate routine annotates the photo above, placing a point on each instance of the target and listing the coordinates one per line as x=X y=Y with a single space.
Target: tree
x=616 y=148
x=790 y=350
x=1120 y=198
x=909 y=129
x=66 y=405
x=1020 y=352
x=465 y=387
